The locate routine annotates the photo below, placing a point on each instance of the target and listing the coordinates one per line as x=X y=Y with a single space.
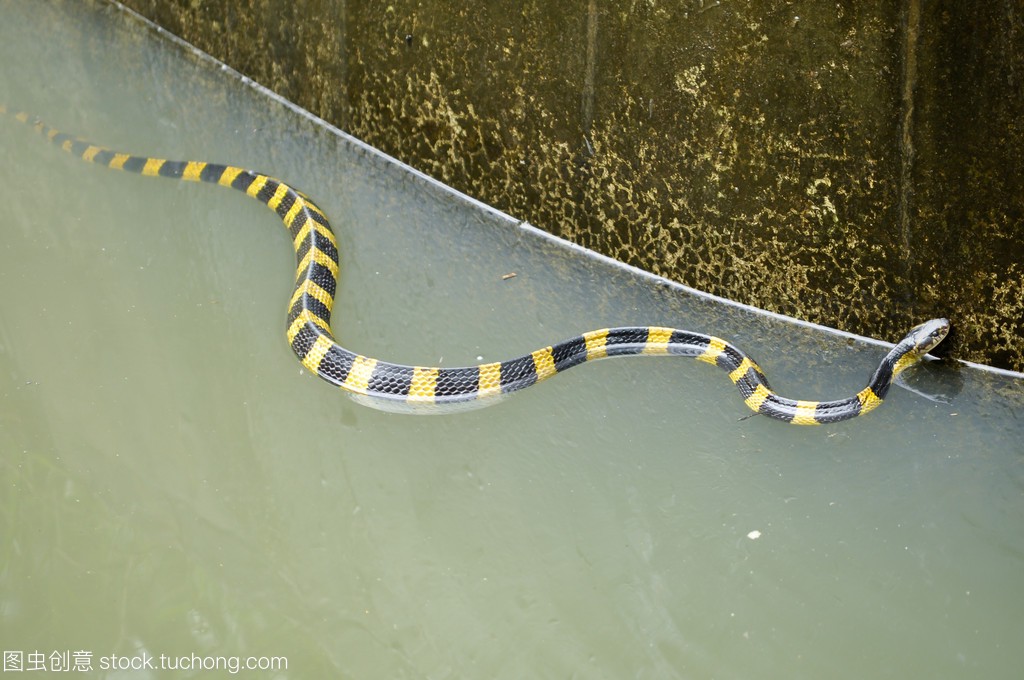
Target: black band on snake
x=421 y=389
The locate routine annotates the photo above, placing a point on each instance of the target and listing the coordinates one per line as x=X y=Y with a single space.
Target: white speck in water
x=754 y=535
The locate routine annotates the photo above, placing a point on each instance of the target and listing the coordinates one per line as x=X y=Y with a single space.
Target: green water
x=172 y=482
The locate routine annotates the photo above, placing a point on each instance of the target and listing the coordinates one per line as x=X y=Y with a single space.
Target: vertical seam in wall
x=909 y=85
x=587 y=104
x=344 y=114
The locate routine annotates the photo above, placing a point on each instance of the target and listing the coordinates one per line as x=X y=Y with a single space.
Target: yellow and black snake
x=389 y=386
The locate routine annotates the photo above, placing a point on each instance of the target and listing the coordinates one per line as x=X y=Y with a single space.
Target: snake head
x=924 y=337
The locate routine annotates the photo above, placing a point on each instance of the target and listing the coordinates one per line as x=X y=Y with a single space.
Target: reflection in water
x=173 y=485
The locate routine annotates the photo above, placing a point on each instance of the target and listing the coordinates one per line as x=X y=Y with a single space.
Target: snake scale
x=424 y=389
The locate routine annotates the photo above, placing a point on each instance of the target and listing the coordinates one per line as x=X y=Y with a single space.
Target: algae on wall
x=853 y=164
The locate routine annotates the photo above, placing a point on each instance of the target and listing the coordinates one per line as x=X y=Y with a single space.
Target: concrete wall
x=858 y=164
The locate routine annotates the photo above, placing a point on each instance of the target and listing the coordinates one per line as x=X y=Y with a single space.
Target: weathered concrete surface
x=965 y=176
x=854 y=164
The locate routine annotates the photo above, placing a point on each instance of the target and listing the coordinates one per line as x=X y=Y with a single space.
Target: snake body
x=392 y=387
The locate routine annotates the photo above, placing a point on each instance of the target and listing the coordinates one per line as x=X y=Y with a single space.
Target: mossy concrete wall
x=857 y=164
